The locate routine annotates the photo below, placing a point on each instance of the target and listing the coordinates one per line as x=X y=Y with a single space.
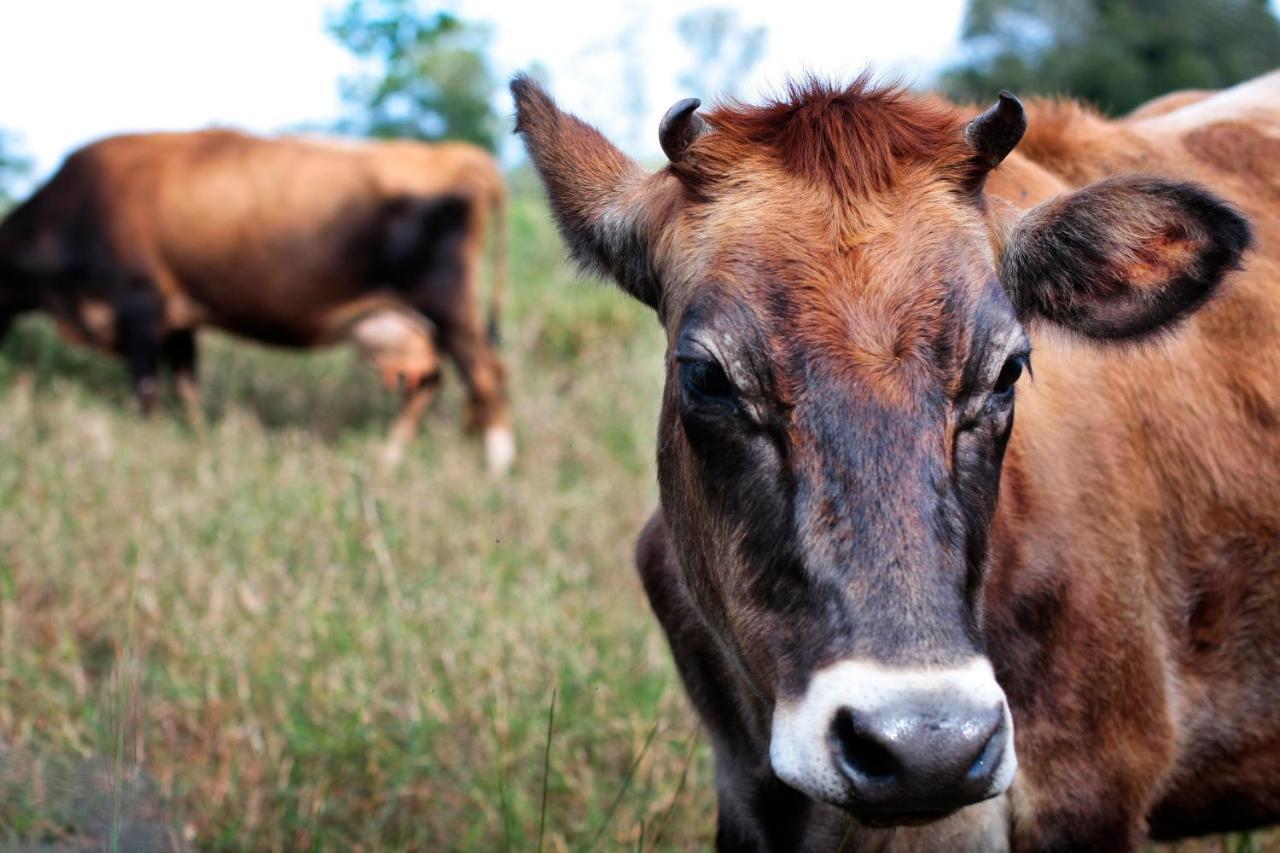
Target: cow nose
x=893 y=745
x=907 y=760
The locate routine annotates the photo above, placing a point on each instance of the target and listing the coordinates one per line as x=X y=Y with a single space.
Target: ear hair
x=597 y=194
x=1123 y=258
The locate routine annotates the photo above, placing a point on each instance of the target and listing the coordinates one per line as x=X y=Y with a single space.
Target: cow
x=139 y=240
x=905 y=624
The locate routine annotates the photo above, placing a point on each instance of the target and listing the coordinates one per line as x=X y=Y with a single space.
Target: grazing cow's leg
x=137 y=316
x=417 y=398
x=12 y=305
x=464 y=339
x=179 y=353
x=442 y=283
x=8 y=311
x=400 y=345
x=9 y=300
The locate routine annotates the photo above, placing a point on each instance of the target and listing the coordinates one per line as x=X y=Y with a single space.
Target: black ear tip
x=1237 y=231
x=530 y=99
x=1235 y=227
x=525 y=90
x=1231 y=228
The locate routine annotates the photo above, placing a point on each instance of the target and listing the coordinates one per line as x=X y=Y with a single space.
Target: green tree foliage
x=426 y=73
x=1115 y=53
x=13 y=167
x=723 y=50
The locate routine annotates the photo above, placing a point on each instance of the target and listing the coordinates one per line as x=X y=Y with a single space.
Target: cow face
x=845 y=324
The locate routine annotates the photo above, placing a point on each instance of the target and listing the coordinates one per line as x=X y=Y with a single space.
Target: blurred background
x=79 y=71
x=249 y=638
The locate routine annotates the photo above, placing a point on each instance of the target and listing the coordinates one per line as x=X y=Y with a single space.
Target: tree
x=1115 y=53
x=13 y=167
x=724 y=51
x=427 y=74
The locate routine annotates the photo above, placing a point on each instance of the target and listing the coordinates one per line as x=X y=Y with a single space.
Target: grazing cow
x=905 y=624
x=138 y=240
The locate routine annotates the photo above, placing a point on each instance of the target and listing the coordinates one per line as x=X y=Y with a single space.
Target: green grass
x=252 y=639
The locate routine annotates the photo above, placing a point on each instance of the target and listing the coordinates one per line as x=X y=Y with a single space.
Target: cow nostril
x=862 y=754
x=992 y=751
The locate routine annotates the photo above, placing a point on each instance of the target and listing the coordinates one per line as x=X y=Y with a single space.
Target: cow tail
x=498 y=264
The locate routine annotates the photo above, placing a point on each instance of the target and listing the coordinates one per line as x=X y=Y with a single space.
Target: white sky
x=75 y=70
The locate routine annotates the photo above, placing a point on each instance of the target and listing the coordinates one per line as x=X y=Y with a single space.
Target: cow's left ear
x=1123 y=258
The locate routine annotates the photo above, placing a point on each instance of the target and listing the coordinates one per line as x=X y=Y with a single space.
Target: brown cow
x=138 y=240
x=885 y=655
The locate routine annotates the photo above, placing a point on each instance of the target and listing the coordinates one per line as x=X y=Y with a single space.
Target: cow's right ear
x=605 y=205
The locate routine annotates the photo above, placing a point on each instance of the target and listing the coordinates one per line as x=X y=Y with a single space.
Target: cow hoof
x=499 y=449
x=147 y=391
x=392 y=455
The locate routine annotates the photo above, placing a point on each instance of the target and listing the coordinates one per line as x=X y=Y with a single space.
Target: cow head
x=845 y=321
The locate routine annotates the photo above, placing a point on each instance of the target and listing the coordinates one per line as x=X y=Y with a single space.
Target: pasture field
x=298 y=652
x=250 y=638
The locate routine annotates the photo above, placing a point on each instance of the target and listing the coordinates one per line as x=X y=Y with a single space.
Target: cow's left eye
x=705 y=378
x=1010 y=374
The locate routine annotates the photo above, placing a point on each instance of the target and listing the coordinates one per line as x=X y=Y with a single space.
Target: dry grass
x=301 y=653
x=251 y=640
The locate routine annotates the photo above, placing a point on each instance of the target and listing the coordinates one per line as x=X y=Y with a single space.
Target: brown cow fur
x=1131 y=598
x=139 y=240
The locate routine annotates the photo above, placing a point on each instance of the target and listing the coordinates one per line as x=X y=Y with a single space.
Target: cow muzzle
x=894 y=745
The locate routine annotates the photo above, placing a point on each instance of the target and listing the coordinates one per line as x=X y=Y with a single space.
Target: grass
x=252 y=639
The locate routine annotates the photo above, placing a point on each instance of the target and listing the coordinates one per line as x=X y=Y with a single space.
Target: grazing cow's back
x=854 y=539
x=137 y=240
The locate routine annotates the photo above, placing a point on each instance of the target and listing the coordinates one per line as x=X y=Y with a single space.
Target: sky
x=77 y=70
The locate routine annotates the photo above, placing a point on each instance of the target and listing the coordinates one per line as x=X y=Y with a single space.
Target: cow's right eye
x=706 y=379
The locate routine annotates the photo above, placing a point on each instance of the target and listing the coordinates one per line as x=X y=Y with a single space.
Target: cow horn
x=680 y=127
x=994 y=134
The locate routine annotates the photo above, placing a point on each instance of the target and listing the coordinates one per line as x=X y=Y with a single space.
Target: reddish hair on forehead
x=855 y=138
